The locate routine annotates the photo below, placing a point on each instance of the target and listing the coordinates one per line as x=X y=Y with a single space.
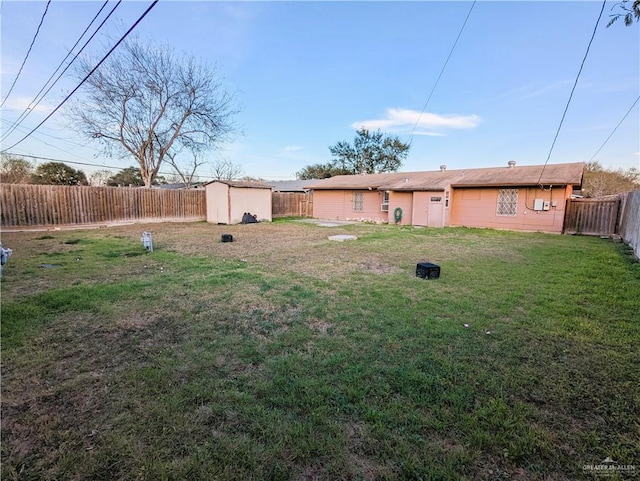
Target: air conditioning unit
x=384 y=208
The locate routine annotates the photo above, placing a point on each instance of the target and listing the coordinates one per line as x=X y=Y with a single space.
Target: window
x=507 y=202
x=385 y=201
x=358 y=201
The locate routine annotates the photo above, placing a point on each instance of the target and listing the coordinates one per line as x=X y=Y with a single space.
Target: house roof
x=291 y=185
x=242 y=184
x=179 y=185
x=552 y=174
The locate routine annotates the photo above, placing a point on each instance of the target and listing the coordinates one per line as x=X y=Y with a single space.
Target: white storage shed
x=229 y=200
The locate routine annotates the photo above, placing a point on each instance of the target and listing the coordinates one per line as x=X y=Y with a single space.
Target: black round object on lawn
x=227 y=238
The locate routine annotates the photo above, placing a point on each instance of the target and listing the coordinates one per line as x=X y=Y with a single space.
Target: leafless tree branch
x=150 y=103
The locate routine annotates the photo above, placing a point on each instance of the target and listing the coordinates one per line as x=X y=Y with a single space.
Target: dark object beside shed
x=248 y=218
x=227 y=238
x=427 y=270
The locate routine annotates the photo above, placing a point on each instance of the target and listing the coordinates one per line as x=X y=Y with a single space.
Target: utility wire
x=53 y=137
x=584 y=59
x=616 y=128
x=69 y=161
x=56 y=137
x=93 y=165
x=442 y=71
x=112 y=166
x=37 y=101
x=87 y=76
x=27 y=55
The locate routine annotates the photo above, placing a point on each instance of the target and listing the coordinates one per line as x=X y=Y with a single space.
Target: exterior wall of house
x=477 y=207
x=251 y=200
x=339 y=205
x=217 y=195
x=404 y=201
x=470 y=207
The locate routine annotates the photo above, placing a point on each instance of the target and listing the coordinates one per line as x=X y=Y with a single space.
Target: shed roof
x=551 y=174
x=242 y=184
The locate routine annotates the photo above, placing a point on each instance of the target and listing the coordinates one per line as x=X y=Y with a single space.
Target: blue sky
x=308 y=74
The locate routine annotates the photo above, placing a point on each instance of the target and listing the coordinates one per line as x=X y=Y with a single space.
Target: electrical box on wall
x=545 y=205
x=538 y=204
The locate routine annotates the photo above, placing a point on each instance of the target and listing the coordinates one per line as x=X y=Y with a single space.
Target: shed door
x=436 y=206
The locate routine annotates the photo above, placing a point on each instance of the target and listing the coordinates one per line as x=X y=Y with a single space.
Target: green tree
x=57 y=173
x=598 y=181
x=320 y=171
x=147 y=101
x=15 y=170
x=126 y=177
x=370 y=153
x=627 y=12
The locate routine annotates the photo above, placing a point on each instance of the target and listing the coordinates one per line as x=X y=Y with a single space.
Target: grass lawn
x=287 y=356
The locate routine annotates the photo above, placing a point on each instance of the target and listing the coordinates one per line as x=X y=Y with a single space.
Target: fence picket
x=42 y=205
x=291 y=204
x=591 y=216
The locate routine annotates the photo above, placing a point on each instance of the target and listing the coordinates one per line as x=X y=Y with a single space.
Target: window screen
x=358 y=201
x=507 y=202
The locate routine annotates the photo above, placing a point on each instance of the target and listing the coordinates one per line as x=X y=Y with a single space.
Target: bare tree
x=146 y=101
x=185 y=171
x=100 y=178
x=251 y=178
x=15 y=169
x=224 y=169
x=598 y=181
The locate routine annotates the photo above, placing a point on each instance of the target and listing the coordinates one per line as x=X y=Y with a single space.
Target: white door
x=436 y=204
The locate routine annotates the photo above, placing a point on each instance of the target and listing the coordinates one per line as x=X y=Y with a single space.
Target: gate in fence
x=591 y=216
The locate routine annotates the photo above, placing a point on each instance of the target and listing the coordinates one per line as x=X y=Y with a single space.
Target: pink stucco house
x=525 y=198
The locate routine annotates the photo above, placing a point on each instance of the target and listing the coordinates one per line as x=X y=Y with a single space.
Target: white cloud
x=292 y=148
x=533 y=90
x=404 y=120
x=21 y=103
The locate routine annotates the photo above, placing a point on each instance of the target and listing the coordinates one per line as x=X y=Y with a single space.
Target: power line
x=66 y=161
x=584 y=59
x=56 y=137
x=37 y=101
x=88 y=75
x=442 y=70
x=616 y=128
x=112 y=166
x=50 y=159
x=53 y=137
x=27 y=55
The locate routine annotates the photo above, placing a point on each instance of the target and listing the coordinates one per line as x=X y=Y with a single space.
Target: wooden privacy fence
x=629 y=221
x=291 y=204
x=591 y=216
x=42 y=205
